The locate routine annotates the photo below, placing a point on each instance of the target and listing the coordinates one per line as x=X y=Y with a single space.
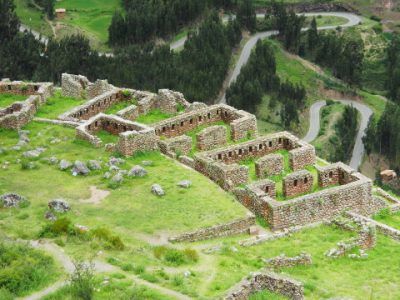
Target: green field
x=8 y=99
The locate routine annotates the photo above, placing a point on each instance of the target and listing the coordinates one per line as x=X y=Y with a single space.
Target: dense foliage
x=383 y=135
x=346 y=132
x=23 y=269
x=258 y=77
x=198 y=70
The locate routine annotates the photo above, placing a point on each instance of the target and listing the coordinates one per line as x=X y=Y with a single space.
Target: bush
x=191 y=254
x=112 y=241
x=159 y=251
x=375 y=18
x=82 y=281
x=174 y=256
x=56 y=228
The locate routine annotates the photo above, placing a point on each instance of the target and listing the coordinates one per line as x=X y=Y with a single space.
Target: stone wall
x=233 y=228
x=133 y=137
x=302 y=156
x=180 y=145
x=211 y=137
x=20 y=113
x=297 y=183
x=270 y=281
x=328 y=175
x=354 y=194
x=241 y=122
x=73 y=85
x=271 y=164
x=282 y=261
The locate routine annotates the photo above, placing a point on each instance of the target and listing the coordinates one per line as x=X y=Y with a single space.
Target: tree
x=246 y=15
x=312 y=36
x=9 y=22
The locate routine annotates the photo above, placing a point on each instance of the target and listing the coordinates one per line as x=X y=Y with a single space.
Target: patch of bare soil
x=158 y=239
x=96 y=195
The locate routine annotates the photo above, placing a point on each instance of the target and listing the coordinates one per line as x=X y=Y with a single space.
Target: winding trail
x=358 y=150
x=99 y=267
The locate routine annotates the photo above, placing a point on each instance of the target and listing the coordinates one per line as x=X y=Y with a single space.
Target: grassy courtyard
x=8 y=99
x=57 y=105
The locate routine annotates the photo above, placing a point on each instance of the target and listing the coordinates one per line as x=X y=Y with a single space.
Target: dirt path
x=96 y=195
x=99 y=267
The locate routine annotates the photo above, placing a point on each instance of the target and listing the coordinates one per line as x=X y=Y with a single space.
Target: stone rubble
x=64 y=164
x=80 y=169
x=59 y=205
x=185 y=184
x=137 y=171
x=11 y=200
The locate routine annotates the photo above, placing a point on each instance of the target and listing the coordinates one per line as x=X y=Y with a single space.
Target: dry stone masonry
x=268 y=165
x=20 y=113
x=270 y=281
x=297 y=183
x=211 y=137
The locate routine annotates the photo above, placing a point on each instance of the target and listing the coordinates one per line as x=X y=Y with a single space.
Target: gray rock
x=94 y=165
x=113 y=169
x=113 y=161
x=147 y=163
x=55 y=141
x=137 y=171
x=65 y=164
x=50 y=216
x=107 y=175
x=51 y=160
x=11 y=200
x=157 y=190
x=185 y=184
x=34 y=153
x=30 y=165
x=59 y=205
x=80 y=168
x=118 y=178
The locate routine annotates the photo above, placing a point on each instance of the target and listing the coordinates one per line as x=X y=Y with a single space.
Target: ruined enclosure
x=20 y=113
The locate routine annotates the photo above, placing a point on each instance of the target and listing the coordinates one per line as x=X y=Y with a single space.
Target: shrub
x=174 y=256
x=82 y=281
x=177 y=280
x=139 y=269
x=56 y=228
x=191 y=254
x=159 y=251
x=375 y=18
x=112 y=241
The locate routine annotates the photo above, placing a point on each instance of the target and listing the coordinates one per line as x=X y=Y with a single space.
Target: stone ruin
x=270 y=281
x=221 y=165
x=353 y=192
x=20 y=113
x=343 y=188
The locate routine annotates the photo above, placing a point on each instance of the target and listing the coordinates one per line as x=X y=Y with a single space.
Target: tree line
x=257 y=78
x=198 y=70
x=383 y=135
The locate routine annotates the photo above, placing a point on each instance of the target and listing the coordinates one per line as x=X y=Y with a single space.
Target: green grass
x=112 y=110
x=32 y=17
x=106 y=137
x=153 y=116
x=327 y=21
x=118 y=287
x=8 y=99
x=375 y=277
x=267 y=295
x=388 y=218
x=57 y=105
x=24 y=269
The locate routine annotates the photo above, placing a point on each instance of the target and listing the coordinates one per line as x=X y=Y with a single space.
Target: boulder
x=157 y=190
x=51 y=160
x=113 y=169
x=113 y=161
x=59 y=205
x=34 y=153
x=107 y=175
x=118 y=178
x=185 y=184
x=64 y=164
x=11 y=200
x=50 y=216
x=137 y=171
x=94 y=165
x=147 y=163
x=80 y=169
